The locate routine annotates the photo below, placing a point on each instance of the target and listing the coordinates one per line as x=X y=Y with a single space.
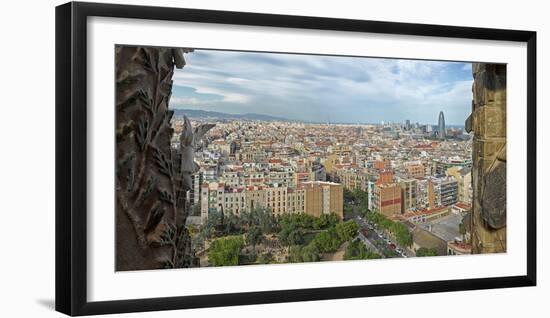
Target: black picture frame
x=71 y=157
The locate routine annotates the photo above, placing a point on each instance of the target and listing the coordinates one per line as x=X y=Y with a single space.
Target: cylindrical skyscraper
x=441 y=125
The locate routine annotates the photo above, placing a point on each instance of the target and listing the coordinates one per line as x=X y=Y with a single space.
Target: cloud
x=320 y=88
x=179 y=101
x=226 y=96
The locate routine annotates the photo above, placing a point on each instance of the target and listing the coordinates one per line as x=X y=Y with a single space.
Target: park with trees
x=259 y=237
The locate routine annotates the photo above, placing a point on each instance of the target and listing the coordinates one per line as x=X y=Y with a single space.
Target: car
x=398 y=250
x=392 y=246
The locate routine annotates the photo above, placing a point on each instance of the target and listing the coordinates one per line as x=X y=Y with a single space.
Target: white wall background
x=27 y=158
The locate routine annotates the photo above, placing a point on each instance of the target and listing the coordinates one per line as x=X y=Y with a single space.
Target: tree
x=230 y=224
x=266 y=220
x=325 y=221
x=295 y=254
x=462 y=230
x=357 y=250
x=215 y=219
x=302 y=220
x=327 y=242
x=347 y=230
x=375 y=217
x=348 y=196
x=295 y=237
x=291 y=235
x=310 y=253
x=348 y=211
x=225 y=251
x=423 y=251
x=360 y=196
x=401 y=233
x=254 y=236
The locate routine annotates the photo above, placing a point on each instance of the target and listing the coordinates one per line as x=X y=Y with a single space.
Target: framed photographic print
x=210 y=158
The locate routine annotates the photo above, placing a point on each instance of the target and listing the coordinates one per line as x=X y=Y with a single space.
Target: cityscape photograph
x=244 y=158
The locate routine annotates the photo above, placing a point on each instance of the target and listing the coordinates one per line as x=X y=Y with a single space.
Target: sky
x=316 y=88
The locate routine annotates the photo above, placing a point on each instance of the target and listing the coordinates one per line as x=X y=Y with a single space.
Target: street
x=373 y=240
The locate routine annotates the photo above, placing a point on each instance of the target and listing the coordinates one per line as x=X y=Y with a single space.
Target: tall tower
x=441 y=125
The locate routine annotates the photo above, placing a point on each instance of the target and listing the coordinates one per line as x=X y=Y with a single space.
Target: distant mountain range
x=197 y=113
x=204 y=114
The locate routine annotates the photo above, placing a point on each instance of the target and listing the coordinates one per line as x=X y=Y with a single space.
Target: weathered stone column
x=488 y=123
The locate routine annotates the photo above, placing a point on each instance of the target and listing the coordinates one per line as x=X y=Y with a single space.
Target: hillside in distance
x=197 y=113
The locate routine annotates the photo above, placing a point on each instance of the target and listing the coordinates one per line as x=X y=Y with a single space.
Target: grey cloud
x=316 y=87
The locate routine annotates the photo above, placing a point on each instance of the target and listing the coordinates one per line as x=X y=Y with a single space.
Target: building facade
x=408 y=195
x=323 y=198
x=387 y=199
x=311 y=197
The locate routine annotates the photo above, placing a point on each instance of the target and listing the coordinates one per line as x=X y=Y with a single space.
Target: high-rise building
x=441 y=125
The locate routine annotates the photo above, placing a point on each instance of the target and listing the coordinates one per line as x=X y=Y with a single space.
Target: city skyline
x=315 y=88
x=325 y=163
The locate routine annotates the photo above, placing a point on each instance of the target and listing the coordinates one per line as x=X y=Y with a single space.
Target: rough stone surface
x=488 y=123
x=151 y=181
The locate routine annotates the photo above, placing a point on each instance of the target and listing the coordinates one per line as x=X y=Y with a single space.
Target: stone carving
x=152 y=180
x=493 y=201
x=488 y=123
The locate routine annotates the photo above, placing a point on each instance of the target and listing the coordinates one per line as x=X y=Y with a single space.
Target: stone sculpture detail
x=152 y=179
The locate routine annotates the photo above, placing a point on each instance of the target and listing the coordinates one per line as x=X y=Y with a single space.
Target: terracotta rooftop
x=425 y=212
x=463 y=205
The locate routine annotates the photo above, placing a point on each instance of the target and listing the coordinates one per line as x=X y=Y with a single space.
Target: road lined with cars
x=378 y=240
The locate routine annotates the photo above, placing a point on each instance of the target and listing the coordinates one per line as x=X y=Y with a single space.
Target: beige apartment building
x=415 y=169
x=311 y=197
x=276 y=197
x=387 y=199
x=296 y=200
x=353 y=179
x=323 y=198
x=408 y=195
x=255 y=197
x=464 y=178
